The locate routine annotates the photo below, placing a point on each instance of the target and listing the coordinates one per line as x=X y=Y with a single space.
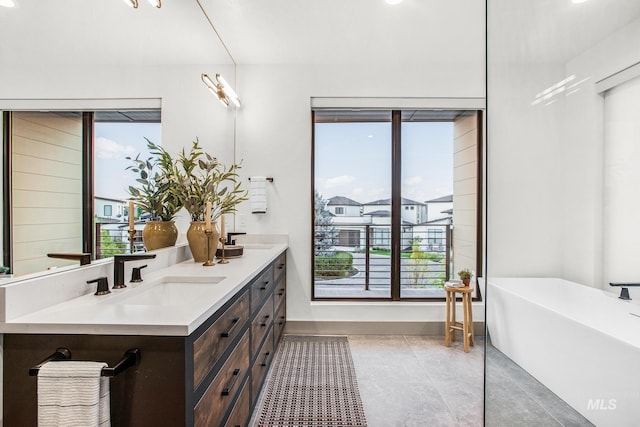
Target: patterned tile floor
x=410 y=381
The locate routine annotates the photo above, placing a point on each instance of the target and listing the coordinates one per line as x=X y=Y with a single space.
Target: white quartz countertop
x=128 y=311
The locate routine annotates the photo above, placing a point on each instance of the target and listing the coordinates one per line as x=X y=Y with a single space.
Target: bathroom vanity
x=206 y=338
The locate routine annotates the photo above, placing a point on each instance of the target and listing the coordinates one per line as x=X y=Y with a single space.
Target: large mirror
x=83 y=84
x=562 y=213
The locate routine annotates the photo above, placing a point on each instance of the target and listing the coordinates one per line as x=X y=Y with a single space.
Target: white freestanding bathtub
x=580 y=342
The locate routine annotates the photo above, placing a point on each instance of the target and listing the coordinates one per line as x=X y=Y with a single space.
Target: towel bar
x=131 y=357
x=270 y=179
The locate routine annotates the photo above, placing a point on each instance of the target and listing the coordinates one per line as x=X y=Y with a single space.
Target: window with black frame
x=389 y=186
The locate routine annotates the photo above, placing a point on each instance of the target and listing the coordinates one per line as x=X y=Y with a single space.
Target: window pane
x=427 y=198
x=353 y=204
x=114 y=141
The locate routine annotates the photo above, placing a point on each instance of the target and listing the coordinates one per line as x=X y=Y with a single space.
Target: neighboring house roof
x=387 y=202
x=110 y=199
x=342 y=201
x=447 y=211
x=379 y=213
x=438 y=221
x=443 y=199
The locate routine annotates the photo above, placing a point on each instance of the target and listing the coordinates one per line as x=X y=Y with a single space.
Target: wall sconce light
x=222 y=90
x=134 y=3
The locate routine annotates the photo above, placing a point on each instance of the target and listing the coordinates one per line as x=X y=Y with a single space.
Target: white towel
x=72 y=393
x=258 y=194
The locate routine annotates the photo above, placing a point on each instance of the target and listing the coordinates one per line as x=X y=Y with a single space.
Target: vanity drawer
x=279 y=294
x=261 y=366
x=241 y=410
x=260 y=325
x=261 y=288
x=208 y=348
x=279 y=322
x=280 y=267
x=216 y=400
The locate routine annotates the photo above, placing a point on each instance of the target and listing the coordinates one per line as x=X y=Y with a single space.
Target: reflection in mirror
x=118 y=135
x=45 y=214
x=556 y=210
x=46 y=189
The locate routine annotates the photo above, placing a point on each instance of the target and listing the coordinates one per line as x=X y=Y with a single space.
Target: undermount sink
x=172 y=290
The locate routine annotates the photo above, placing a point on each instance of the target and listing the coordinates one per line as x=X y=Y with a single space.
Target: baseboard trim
x=371 y=328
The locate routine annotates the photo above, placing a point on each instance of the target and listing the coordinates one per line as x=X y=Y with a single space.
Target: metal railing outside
x=359 y=257
x=112 y=238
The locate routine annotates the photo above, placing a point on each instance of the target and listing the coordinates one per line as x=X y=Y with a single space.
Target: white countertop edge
x=37 y=323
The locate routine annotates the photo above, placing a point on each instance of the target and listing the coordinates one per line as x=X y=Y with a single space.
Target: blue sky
x=353 y=160
x=114 y=142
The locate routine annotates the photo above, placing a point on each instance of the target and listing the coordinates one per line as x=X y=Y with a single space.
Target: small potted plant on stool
x=465 y=276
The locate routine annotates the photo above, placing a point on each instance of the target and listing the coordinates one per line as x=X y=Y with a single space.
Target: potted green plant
x=202 y=178
x=465 y=276
x=156 y=195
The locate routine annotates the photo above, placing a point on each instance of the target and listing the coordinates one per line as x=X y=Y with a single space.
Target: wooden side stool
x=466 y=326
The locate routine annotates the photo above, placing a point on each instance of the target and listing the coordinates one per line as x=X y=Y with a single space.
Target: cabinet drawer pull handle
x=281 y=266
x=262 y=288
x=236 y=322
x=266 y=357
x=265 y=320
x=227 y=390
x=281 y=292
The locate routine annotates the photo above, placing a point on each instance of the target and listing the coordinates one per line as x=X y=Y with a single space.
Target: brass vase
x=197 y=239
x=159 y=234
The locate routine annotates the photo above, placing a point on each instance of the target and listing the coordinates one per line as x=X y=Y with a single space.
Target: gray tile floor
x=417 y=381
x=514 y=395
x=410 y=381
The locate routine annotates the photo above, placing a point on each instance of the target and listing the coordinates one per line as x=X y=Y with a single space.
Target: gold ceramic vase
x=159 y=234
x=197 y=239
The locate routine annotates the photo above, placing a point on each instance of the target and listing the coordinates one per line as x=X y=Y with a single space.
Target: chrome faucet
x=118 y=266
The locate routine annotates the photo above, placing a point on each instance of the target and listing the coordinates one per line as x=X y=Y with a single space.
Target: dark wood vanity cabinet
x=213 y=377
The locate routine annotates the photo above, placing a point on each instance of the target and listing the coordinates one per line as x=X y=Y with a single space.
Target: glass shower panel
x=550 y=67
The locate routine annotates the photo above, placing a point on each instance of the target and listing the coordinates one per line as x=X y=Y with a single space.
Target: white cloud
x=109 y=149
x=413 y=180
x=338 y=181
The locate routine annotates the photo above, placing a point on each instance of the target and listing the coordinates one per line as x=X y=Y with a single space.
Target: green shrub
x=336 y=264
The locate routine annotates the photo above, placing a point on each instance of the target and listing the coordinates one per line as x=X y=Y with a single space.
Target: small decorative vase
x=159 y=234
x=197 y=239
x=466 y=282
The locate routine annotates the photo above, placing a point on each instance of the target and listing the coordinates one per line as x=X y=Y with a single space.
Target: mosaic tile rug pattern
x=312 y=383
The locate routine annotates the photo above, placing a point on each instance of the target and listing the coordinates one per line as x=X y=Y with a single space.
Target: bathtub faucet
x=624 y=292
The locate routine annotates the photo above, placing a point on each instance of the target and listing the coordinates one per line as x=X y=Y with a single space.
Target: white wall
x=545 y=172
x=621 y=224
x=274 y=138
x=525 y=173
x=584 y=147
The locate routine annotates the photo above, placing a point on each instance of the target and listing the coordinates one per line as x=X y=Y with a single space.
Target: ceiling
x=107 y=32
x=425 y=32
x=553 y=30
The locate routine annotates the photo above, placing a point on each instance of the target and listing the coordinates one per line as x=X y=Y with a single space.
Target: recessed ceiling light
x=393 y=1
x=578 y=1
x=7 y=3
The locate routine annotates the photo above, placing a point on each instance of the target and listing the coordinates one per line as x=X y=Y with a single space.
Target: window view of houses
x=115 y=140
x=352 y=227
